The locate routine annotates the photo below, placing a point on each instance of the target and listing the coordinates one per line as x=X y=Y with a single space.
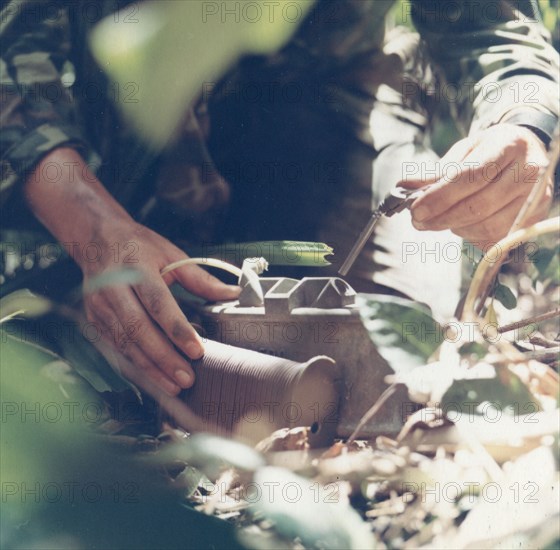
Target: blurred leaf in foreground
x=117 y=277
x=177 y=49
x=320 y=517
x=211 y=454
x=23 y=303
x=64 y=486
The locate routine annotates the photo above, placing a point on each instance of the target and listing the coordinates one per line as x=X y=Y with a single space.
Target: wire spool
x=250 y=394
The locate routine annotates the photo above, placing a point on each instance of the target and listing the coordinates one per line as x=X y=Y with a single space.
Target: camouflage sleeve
x=37 y=111
x=497 y=61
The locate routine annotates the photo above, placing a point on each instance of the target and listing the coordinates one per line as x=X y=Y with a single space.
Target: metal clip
x=399 y=199
x=396 y=201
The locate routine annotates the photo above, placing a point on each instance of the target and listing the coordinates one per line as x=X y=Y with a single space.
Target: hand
x=142 y=319
x=482 y=184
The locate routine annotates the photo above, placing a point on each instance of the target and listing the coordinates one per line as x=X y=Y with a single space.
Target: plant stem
x=530 y=320
x=372 y=411
x=487 y=269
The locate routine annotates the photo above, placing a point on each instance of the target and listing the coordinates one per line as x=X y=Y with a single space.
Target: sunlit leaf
x=189 y=480
x=490 y=316
x=484 y=395
x=404 y=333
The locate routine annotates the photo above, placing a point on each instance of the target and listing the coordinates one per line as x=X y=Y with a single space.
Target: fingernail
x=421 y=213
x=184 y=379
x=194 y=350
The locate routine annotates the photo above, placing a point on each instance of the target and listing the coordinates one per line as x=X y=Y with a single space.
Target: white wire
x=212 y=262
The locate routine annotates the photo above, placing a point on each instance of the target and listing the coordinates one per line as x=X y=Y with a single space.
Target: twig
x=529 y=321
x=547 y=355
x=373 y=411
x=544 y=342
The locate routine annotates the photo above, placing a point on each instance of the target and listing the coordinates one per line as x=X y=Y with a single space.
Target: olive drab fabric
x=496 y=55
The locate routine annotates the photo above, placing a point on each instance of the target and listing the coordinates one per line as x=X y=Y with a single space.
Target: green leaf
x=547 y=263
x=405 y=333
x=302 y=508
x=64 y=487
x=475 y=349
x=474 y=396
x=88 y=361
x=189 y=479
x=150 y=55
x=505 y=296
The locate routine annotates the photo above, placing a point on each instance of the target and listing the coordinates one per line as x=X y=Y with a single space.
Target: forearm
x=71 y=202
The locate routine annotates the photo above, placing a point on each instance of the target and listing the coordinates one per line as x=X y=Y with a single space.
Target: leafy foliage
x=66 y=487
x=404 y=332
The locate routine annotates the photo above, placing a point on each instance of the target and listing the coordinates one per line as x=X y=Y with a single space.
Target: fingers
x=200 y=282
x=462 y=210
x=128 y=328
x=145 y=372
x=163 y=309
x=490 y=230
x=476 y=172
x=144 y=323
x=496 y=172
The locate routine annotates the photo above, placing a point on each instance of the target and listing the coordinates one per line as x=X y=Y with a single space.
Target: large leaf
x=174 y=51
x=77 y=347
x=65 y=487
x=405 y=333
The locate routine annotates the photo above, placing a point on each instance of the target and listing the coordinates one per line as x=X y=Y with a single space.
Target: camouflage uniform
x=298 y=157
